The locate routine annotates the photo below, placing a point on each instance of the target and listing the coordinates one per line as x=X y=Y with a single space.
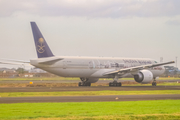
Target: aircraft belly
x=99 y=73
x=79 y=72
x=70 y=72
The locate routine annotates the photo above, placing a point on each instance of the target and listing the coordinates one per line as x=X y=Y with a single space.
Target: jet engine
x=144 y=76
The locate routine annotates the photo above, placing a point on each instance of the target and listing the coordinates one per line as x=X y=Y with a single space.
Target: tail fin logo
x=40 y=45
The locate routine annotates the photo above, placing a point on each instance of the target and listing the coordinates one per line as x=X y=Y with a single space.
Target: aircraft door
x=107 y=65
x=97 y=63
x=91 y=64
x=64 y=64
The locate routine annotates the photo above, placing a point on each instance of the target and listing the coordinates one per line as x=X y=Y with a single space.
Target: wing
x=13 y=60
x=9 y=63
x=137 y=68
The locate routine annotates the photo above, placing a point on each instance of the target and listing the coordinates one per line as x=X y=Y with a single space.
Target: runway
x=93 y=88
x=88 y=98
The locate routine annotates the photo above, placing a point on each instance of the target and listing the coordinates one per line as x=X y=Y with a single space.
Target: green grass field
x=56 y=78
x=158 y=84
x=40 y=78
x=128 y=110
x=87 y=93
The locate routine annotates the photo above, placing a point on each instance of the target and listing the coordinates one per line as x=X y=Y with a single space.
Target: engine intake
x=144 y=76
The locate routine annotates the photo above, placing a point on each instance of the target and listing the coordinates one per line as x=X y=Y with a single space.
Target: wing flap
x=137 y=68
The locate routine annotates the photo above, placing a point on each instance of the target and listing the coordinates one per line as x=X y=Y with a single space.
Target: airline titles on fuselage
x=125 y=64
x=137 y=61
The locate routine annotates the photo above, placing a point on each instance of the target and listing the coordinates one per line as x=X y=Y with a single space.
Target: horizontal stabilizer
x=13 y=60
x=10 y=63
x=49 y=60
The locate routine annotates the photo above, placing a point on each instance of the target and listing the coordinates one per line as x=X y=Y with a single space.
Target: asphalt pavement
x=88 y=98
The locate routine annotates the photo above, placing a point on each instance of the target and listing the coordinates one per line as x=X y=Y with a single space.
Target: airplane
x=90 y=69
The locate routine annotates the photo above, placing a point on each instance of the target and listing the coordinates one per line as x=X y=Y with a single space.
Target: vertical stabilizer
x=42 y=47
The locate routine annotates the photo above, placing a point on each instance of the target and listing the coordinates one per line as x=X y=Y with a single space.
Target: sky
x=109 y=28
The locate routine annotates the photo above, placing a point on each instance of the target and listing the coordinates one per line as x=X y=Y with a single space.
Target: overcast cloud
x=117 y=28
x=92 y=8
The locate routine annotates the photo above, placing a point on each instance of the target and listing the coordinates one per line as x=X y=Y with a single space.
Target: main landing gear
x=154 y=82
x=84 y=82
x=115 y=83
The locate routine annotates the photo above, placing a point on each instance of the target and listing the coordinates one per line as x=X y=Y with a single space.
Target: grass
x=87 y=93
x=134 y=110
x=55 y=78
x=75 y=84
x=168 y=84
x=169 y=78
x=158 y=84
x=40 y=78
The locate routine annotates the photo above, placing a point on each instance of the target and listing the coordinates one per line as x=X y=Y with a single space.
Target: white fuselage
x=93 y=67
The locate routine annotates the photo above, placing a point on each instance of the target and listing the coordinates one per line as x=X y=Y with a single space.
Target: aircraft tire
x=119 y=84
x=79 y=84
x=153 y=83
x=84 y=84
x=111 y=84
x=88 y=84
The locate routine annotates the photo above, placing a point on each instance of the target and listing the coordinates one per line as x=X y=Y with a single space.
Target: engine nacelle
x=144 y=76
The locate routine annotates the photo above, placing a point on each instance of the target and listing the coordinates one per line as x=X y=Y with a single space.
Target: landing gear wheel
x=119 y=84
x=114 y=84
x=88 y=84
x=79 y=84
x=84 y=82
x=111 y=84
x=153 y=83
